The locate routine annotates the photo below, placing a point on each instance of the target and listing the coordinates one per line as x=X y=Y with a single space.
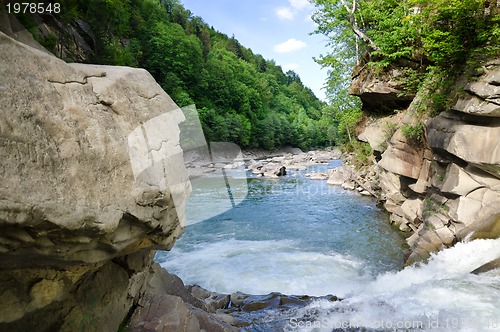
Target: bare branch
x=354 y=25
x=346 y=7
x=362 y=35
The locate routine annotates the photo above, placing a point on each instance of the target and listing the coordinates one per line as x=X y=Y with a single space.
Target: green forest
x=246 y=99
x=240 y=96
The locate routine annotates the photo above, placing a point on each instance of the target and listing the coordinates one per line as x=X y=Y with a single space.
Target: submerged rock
x=490 y=266
x=267 y=312
x=281 y=171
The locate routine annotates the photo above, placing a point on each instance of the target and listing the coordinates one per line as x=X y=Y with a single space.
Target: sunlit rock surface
x=74 y=188
x=92 y=179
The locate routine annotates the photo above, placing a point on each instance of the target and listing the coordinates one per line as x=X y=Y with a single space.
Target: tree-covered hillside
x=241 y=97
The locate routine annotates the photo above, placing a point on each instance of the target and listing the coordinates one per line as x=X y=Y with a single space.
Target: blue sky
x=277 y=29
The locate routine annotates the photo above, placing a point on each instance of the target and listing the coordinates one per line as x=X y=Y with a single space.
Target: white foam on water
x=261 y=267
x=440 y=295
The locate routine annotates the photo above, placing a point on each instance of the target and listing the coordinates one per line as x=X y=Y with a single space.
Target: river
x=299 y=236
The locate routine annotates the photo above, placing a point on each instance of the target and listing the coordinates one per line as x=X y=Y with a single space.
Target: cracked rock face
x=91 y=163
x=449 y=189
x=472 y=141
x=482 y=97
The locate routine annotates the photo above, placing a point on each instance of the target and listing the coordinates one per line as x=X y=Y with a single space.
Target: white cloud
x=290 y=45
x=285 y=13
x=290 y=66
x=299 y=4
x=296 y=6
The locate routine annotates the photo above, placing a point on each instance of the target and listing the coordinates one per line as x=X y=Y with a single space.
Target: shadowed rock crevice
x=381 y=90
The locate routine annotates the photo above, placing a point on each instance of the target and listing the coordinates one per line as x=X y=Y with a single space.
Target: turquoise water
x=292 y=235
x=300 y=236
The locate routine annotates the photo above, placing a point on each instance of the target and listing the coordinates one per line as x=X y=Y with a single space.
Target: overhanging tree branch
x=354 y=25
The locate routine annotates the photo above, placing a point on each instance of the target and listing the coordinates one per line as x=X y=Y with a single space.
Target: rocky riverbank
x=273 y=167
x=268 y=164
x=444 y=187
x=275 y=164
x=188 y=308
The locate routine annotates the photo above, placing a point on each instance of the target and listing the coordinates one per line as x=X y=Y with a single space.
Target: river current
x=299 y=236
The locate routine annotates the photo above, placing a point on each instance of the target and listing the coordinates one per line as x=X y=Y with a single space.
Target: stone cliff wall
x=447 y=188
x=92 y=179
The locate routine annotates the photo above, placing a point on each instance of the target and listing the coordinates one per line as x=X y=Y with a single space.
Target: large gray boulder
x=92 y=179
x=91 y=163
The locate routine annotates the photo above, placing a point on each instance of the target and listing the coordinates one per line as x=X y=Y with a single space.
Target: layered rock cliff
x=92 y=180
x=445 y=188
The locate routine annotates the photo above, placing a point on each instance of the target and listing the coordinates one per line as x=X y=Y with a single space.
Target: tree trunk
x=354 y=25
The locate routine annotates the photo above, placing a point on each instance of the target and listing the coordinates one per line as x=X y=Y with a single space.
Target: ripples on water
x=292 y=235
x=300 y=236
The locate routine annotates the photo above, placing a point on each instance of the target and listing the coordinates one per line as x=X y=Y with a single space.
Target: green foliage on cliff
x=437 y=32
x=241 y=96
x=344 y=110
x=431 y=39
x=413 y=133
